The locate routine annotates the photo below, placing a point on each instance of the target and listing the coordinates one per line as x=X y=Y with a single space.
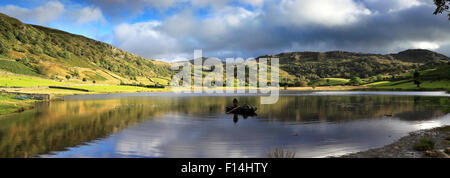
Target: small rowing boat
x=244 y=110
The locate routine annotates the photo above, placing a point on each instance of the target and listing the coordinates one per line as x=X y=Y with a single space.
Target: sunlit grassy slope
x=23 y=83
x=437 y=84
x=54 y=54
x=430 y=79
x=117 y=88
x=333 y=81
x=10 y=80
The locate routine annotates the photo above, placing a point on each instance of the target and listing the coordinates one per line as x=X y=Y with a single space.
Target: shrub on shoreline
x=280 y=153
x=424 y=144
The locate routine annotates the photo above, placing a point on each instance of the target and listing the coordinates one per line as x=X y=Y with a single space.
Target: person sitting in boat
x=235 y=102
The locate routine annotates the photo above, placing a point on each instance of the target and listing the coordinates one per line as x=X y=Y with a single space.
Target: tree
x=300 y=82
x=379 y=77
x=76 y=73
x=441 y=7
x=416 y=78
x=417 y=82
x=416 y=75
x=314 y=85
x=3 y=48
x=356 y=81
x=67 y=77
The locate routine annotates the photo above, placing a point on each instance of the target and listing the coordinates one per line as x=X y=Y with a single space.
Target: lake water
x=311 y=124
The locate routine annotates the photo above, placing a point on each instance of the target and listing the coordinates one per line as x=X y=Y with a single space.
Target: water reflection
x=244 y=116
x=197 y=126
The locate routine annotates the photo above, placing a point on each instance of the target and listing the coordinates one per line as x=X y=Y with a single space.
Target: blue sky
x=172 y=29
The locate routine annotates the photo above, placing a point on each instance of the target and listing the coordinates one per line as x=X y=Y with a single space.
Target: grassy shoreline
x=9 y=104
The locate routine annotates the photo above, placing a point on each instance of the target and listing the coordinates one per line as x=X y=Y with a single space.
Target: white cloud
x=425 y=45
x=88 y=14
x=257 y=3
x=235 y=16
x=178 y=35
x=407 y=3
x=394 y=5
x=145 y=39
x=55 y=11
x=223 y=22
x=404 y=4
x=43 y=14
x=180 y=25
x=320 y=12
x=214 y=4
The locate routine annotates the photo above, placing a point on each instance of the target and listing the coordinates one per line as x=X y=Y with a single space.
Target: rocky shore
x=433 y=143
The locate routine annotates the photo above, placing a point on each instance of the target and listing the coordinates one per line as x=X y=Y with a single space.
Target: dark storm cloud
x=378 y=33
x=360 y=26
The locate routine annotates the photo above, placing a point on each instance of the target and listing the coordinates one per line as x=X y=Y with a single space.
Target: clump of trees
x=356 y=81
x=3 y=48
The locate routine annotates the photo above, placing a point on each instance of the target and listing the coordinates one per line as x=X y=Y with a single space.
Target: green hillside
x=431 y=79
x=314 y=66
x=54 y=54
x=283 y=75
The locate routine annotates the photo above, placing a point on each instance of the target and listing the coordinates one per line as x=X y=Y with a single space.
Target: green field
x=161 y=81
x=443 y=72
x=380 y=83
x=9 y=104
x=7 y=80
x=333 y=81
x=439 y=84
x=430 y=79
x=386 y=83
x=21 y=81
x=117 y=88
x=409 y=85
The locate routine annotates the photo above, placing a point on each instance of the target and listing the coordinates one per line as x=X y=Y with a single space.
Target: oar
x=233 y=110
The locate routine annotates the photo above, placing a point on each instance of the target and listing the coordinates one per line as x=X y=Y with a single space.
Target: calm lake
x=311 y=124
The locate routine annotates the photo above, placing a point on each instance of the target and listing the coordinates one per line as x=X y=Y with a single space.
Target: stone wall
x=33 y=96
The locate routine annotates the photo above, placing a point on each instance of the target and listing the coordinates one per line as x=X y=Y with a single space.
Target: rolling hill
x=340 y=64
x=54 y=54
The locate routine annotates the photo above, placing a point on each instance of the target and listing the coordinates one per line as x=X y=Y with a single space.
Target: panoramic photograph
x=225 y=79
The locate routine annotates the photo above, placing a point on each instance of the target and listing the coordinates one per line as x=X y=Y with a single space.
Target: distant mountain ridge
x=342 y=64
x=418 y=55
x=410 y=55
